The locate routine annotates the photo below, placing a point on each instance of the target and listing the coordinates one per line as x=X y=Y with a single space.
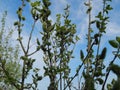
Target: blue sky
x=77 y=15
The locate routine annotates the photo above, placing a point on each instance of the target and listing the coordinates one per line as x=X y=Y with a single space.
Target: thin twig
x=23 y=48
x=32 y=53
x=79 y=68
x=106 y=77
x=28 y=46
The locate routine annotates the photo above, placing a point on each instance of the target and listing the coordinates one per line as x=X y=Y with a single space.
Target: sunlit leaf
x=36 y=3
x=77 y=38
x=118 y=39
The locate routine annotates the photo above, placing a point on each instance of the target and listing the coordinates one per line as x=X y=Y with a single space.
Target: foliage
x=9 y=58
x=56 y=40
x=113 y=67
x=26 y=57
x=93 y=63
x=58 y=43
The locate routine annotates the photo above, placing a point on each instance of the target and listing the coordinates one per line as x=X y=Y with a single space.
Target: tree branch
x=107 y=74
x=28 y=46
x=79 y=68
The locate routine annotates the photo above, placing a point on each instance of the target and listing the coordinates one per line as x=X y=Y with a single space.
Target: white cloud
x=64 y=2
x=83 y=30
x=113 y=29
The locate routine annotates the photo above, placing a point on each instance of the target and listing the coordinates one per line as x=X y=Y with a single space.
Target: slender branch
x=79 y=81
x=97 y=56
x=106 y=77
x=101 y=27
x=99 y=39
x=19 y=30
x=23 y=75
x=79 y=68
x=89 y=34
x=23 y=48
x=89 y=27
x=32 y=53
x=103 y=12
x=28 y=46
x=21 y=44
x=61 y=53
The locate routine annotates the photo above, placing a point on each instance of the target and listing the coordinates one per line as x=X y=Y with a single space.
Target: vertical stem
x=23 y=76
x=26 y=52
x=89 y=28
x=61 y=52
x=89 y=35
x=28 y=46
x=100 y=32
x=23 y=48
x=78 y=82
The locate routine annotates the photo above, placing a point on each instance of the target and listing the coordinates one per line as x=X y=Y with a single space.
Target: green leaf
x=103 y=54
x=24 y=58
x=23 y=18
x=98 y=24
x=38 y=48
x=109 y=86
x=77 y=38
x=36 y=3
x=39 y=78
x=99 y=16
x=92 y=22
x=89 y=9
x=44 y=26
x=46 y=3
x=51 y=27
x=108 y=7
x=98 y=73
x=3 y=62
x=118 y=39
x=115 y=69
x=113 y=43
x=100 y=81
x=113 y=81
x=81 y=55
x=16 y=23
x=38 y=42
